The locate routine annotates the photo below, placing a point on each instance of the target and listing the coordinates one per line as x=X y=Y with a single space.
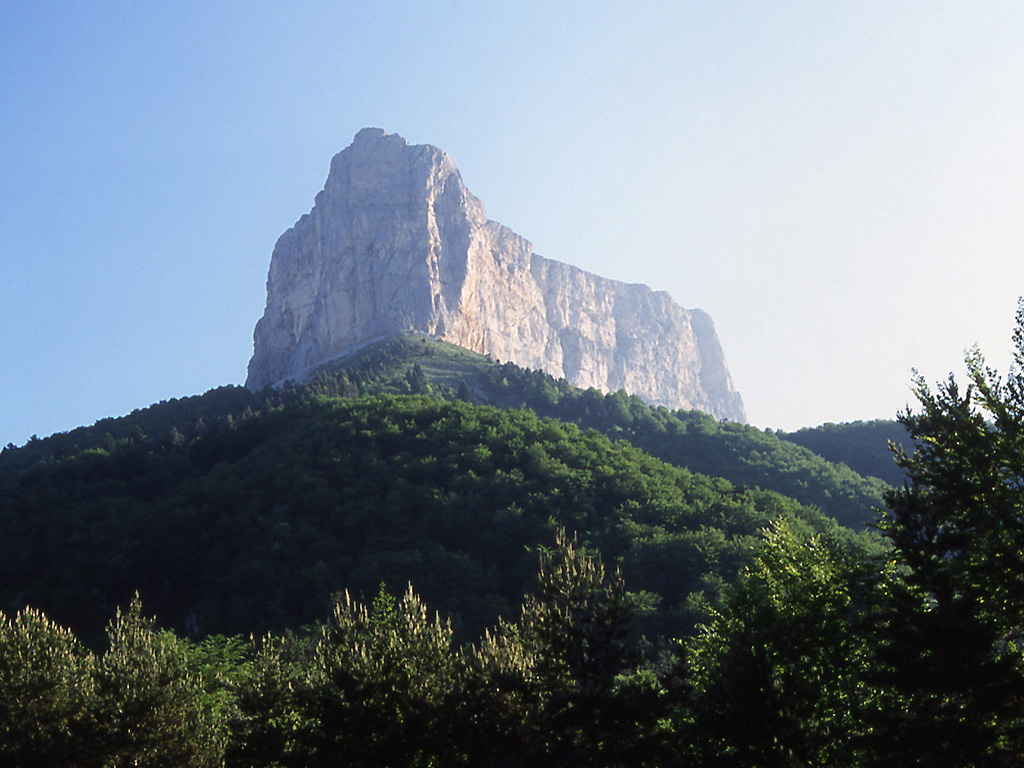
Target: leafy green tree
x=777 y=674
x=417 y=380
x=578 y=621
x=578 y=630
x=496 y=708
x=955 y=634
x=152 y=709
x=947 y=689
x=46 y=692
x=222 y=662
x=268 y=728
x=377 y=688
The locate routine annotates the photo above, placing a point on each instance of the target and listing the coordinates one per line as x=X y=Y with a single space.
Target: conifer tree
x=152 y=710
x=46 y=693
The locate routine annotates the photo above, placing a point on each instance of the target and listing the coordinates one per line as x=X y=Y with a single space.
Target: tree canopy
x=679 y=619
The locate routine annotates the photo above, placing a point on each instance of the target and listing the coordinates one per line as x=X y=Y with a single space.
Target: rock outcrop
x=395 y=242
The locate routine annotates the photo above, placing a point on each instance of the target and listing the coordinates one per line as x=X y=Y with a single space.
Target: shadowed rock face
x=395 y=242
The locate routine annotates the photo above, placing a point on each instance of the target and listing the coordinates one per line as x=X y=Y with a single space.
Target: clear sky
x=840 y=185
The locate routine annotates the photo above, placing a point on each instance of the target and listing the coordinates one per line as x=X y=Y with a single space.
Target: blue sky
x=841 y=185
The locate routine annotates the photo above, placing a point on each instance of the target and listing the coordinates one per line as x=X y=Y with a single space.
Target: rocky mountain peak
x=396 y=243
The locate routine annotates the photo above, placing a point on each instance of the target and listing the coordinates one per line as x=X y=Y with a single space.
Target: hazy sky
x=840 y=185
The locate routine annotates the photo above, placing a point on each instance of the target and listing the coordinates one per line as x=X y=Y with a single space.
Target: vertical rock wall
x=395 y=242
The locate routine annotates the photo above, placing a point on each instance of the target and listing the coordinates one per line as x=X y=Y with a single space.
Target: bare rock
x=395 y=242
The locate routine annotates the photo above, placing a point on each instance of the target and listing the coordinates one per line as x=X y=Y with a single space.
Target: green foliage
x=414 y=364
x=376 y=689
x=297 y=500
x=861 y=445
x=172 y=421
x=384 y=685
x=578 y=630
x=267 y=728
x=152 y=707
x=578 y=621
x=241 y=512
x=46 y=691
x=145 y=702
x=958 y=524
x=786 y=656
x=742 y=454
x=953 y=639
x=292 y=494
x=739 y=453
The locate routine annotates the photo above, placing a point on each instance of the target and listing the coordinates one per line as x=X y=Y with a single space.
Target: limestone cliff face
x=395 y=242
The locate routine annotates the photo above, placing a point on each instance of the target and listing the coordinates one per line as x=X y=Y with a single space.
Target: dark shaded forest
x=426 y=558
x=297 y=501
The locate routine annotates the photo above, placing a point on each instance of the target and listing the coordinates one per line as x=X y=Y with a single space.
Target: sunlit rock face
x=395 y=242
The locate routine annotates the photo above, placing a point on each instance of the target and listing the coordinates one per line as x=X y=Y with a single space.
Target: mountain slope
x=861 y=445
x=249 y=522
x=742 y=454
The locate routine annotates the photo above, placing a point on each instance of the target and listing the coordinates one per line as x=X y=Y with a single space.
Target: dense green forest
x=859 y=445
x=742 y=454
x=295 y=501
x=412 y=364
x=597 y=604
x=296 y=493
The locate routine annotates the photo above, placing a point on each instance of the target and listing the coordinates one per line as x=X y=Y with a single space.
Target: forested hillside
x=742 y=454
x=860 y=445
x=598 y=606
x=246 y=523
x=291 y=494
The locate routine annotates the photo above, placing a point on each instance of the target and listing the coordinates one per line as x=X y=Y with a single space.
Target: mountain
x=237 y=511
x=395 y=242
x=740 y=453
x=860 y=445
x=250 y=523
